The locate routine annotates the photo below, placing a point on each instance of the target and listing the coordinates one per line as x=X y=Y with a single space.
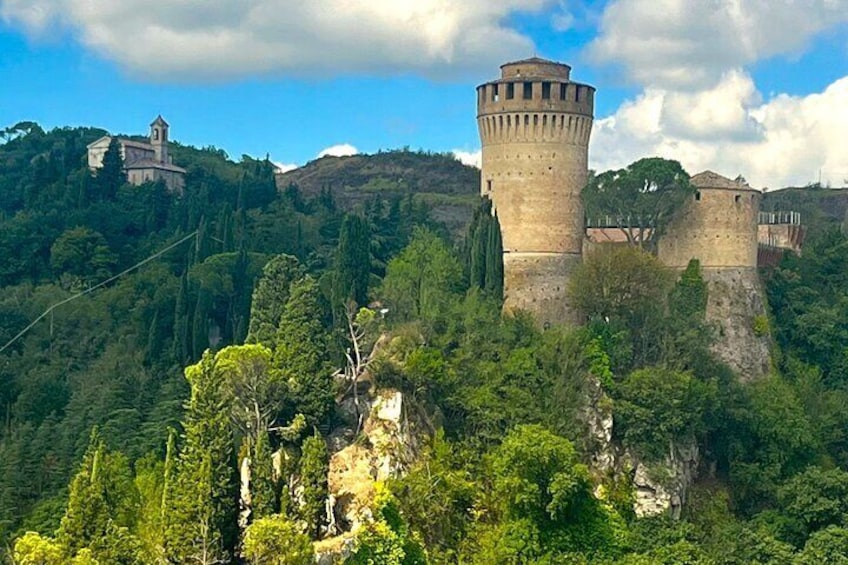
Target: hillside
x=448 y=187
x=819 y=207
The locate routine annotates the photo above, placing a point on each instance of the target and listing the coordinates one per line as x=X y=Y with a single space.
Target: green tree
x=421 y=281
x=625 y=288
x=314 y=462
x=202 y=509
x=270 y=297
x=302 y=352
x=276 y=540
x=826 y=546
x=111 y=176
x=386 y=540
x=82 y=253
x=642 y=198
x=543 y=496
x=353 y=262
x=88 y=512
x=263 y=487
x=33 y=549
x=657 y=407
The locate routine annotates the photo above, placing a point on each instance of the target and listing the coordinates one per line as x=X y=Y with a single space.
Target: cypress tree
x=87 y=515
x=182 y=347
x=353 y=262
x=314 y=462
x=270 y=297
x=494 y=260
x=302 y=351
x=111 y=176
x=203 y=508
x=263 y=489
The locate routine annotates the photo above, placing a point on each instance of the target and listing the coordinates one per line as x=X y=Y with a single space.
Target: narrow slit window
x=528 y=90
x=698 y=195
x=495 y=94
x=577 y=94
x=488 y=186
x=737 y=198
x=546 y=91
x=563 y=91
x=510 y=90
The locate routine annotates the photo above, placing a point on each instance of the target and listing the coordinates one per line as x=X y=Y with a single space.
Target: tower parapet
x=534 y=125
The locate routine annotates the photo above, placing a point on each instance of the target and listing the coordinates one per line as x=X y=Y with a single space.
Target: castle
x=143 y=162
x=534 y=126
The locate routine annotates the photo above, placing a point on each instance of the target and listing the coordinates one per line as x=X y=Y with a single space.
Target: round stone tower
x=534 y=125
x=718 y=226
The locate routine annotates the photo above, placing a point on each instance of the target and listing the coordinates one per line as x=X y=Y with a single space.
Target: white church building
x=143 y=162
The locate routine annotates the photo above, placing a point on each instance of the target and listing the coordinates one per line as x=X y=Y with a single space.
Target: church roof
x=709 y=179
x=151 y=164
x=159 y=121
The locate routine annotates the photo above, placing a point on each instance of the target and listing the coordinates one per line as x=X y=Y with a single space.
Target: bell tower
x=534 y=125
x=159 y=139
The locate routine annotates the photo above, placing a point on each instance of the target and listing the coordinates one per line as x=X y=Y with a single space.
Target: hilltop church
x=143 y=162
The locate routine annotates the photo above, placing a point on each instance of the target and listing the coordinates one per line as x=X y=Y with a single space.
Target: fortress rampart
x=534 y=125
x=718 y=226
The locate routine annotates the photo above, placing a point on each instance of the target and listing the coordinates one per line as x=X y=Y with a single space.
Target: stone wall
x=718 y=226
x=538 y=283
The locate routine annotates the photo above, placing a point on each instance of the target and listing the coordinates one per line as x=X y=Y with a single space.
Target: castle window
x=155 y=134
x=495 y=94
x=488 y=186
x=528 y=90
x=546 y=91
x=737 y=198
x=510 y=90
x=563 y=91
x=577 y=94
x=698 y=195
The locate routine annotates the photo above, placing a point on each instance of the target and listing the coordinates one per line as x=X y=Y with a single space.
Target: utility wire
x=95 y=287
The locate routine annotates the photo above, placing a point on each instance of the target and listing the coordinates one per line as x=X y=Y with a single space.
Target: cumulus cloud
x=472 y=158
x=686 y=44
x=698 y=102
x=340 y=150
x=202 y=39
x=783 y=142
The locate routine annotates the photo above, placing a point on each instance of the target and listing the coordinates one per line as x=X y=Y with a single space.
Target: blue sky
x=739 y=86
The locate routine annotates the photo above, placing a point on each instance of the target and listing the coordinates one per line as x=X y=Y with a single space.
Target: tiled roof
x=709 y=179
x=151 y=164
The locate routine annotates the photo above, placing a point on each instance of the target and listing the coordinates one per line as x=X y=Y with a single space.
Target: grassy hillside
x=447 y=186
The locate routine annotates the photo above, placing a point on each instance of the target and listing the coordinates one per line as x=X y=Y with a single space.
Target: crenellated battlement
x=535 y=95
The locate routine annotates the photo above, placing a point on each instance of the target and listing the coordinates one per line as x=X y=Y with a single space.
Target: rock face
x=658 y=488
x=737 y=307
x=390 y=440
x=662 y=488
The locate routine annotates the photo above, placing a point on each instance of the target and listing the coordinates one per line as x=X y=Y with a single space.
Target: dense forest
x=238 y=314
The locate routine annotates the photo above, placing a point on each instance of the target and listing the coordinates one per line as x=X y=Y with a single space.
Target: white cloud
x=340 y=150
x=285 y=167
x=700 y=105
x=690 y=44
x=782 y=142
x=201 y=39
x=472 y=158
